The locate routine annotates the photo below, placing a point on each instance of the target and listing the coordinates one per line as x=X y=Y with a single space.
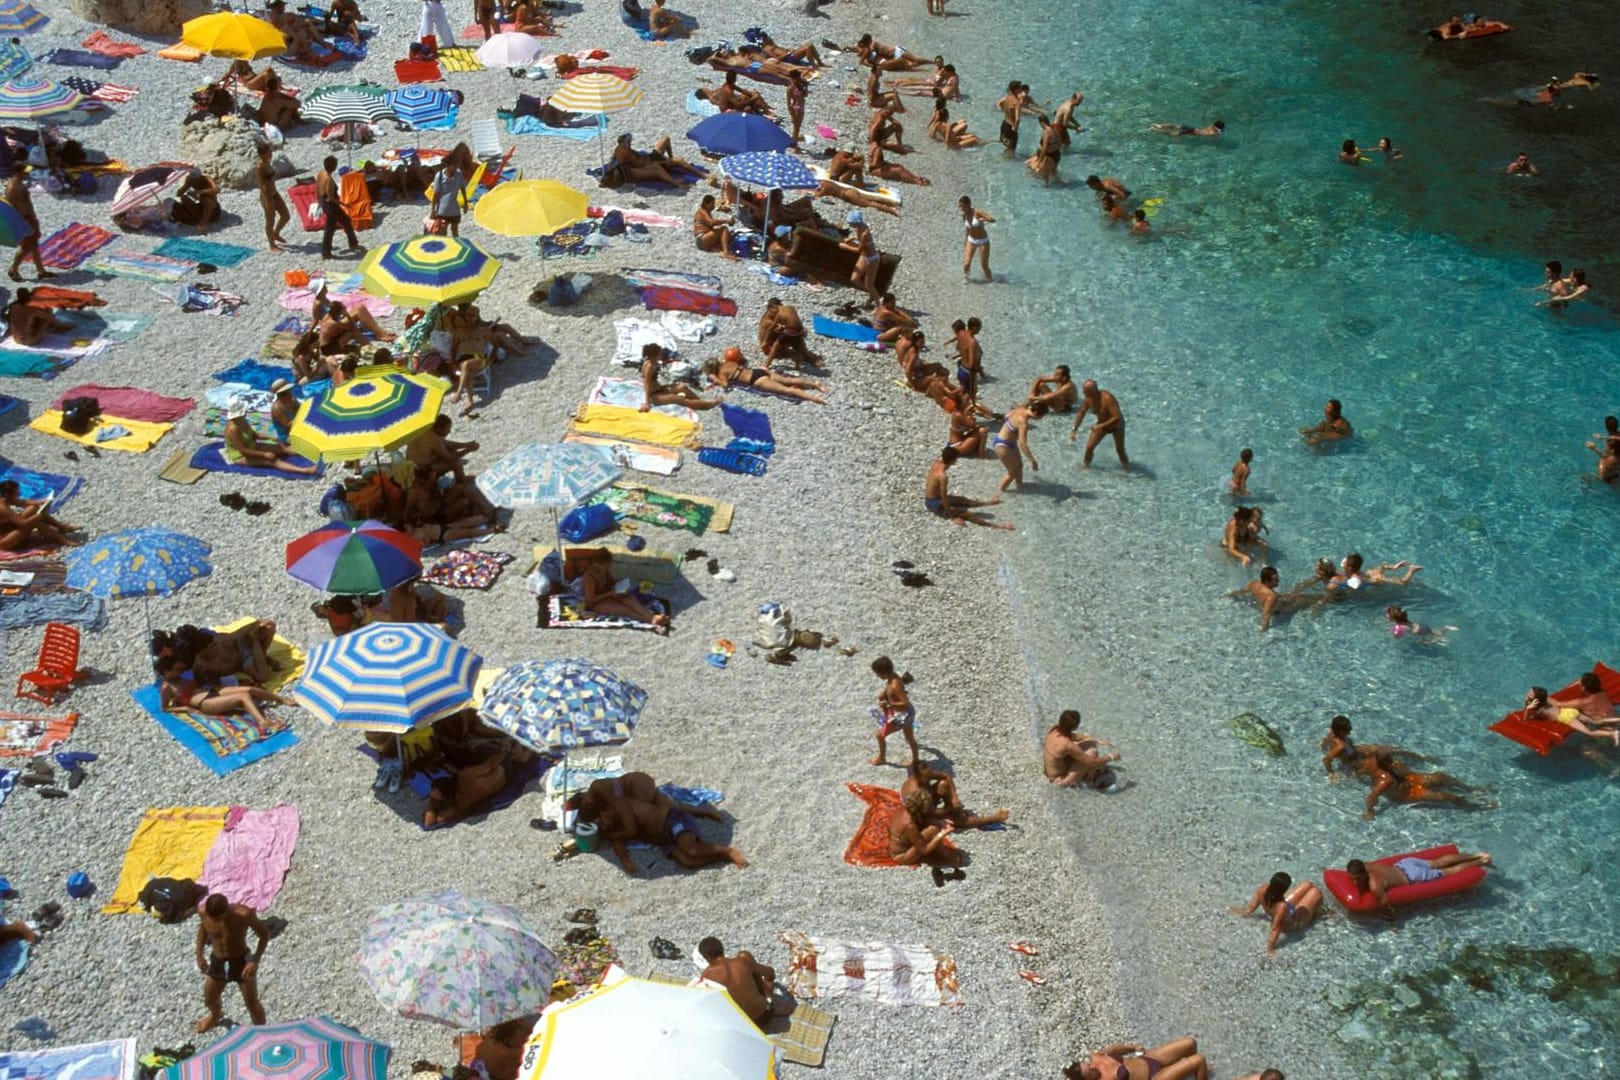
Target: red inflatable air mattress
x=1338 y=882
x=1542 y=735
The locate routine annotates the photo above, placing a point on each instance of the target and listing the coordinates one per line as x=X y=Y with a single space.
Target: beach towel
x=647 y=565
x=688 y=326
x=634 y=425
x=666 y=298
x=693 y=796
x=20 y=364
x=749 y=424
x=459 y=58
x=54 y=296
x=641 y=277
x=568 y=240
x=30 y=736
x=8 y=781
x=137 y=437
x=632 y=216
x=70 y=245
x=127 y=262
x=46 y=575
x=39 y=485
x=82 y=58
x=115 y=327
x=222 y=743
x=461 y=569
x=130 y=402
x=193 y=250
x=697 y=106
x=523 y=774
x=178 y=470
x=252 y=854
x=636 y=334
x=61 y=344
x=212 y=458
x=842 y=331
x=302 y=299
x=630 y=394
x=111 y=1060
x=569 y=613
x=417 y=71
x=103 y=43
x=870 y=844
x=35 y=609
x=257 y=375
x=532 y=125
x=877 y=971
x=657 y=460
x=173 y=842
x=111 y=93
x=662 y=508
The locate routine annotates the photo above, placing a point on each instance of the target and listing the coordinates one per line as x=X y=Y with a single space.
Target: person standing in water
x=1333 y=427
x=1239 y=484
x=1011 y=443
x=1607 y=448
x=1109 y=420
x=1012 y=114
x=977 y=239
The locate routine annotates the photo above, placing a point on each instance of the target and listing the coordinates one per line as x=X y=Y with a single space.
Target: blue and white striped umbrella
x=555 y=475
x=422 y=107
x=21 y=17
x=770 y=169
x=556 y=705
x=34 y=97
x=388 y=677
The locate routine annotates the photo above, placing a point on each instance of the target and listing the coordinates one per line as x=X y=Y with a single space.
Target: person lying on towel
x=629 y=165
x=630 y=807
x=466 y=790
x=180 y=689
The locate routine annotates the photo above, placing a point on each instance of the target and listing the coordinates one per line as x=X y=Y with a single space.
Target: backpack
x=170 y=900
x=612 y=223
x=79 y=415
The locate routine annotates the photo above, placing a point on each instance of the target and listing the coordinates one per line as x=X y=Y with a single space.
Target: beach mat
x=885 y=973
x=633 y=425
x=416 y=71
x=130 y=402
x=657 y=460
x=127 y=262
x=843 y=331
x=532 y=125
x=665 y=509
x=222 y=743
x=69 y=246
x=458 y=58
x=193 y=250
x=523 y=774
x=178 y=469
x=568 y=613
x=140 y=436
x=114 y=1059
x=666 y=298
x=870 y=844
x=172 y=842
x=251 y=855
x=32 y=484
x=644 y=276
x=210 y=457
x=30 y=736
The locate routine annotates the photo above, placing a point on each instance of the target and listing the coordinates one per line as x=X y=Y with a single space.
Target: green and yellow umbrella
x=378 y=410
x=428 y=270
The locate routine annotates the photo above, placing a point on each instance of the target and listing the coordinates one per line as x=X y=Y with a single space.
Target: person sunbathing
x=178 y=689
x=915 y=838
x=212 y=656
x=434 y=452
x=528 y=19
x=634 y=165
x=1376 y=879
x=602 y=595
x=733 y=369
x=30 y=526
x=277 y=107
x=357 y=314
x=501 y=337
x=946 y=804
x=30 y=322
x=709 y=231
x=433 y=517
x=653 y=390
x=729 y=97
x=883 y=169
x=664 y=23
x=1584 y=715
x=465 y=791
x=500 y=1052
x=781 y=334
x=766 y=69
x=336 y=333
x=847 y=167
x=411 y=602
x=1132 y=1061
x=244 y=446
x=661 y=820
x=1069 y=757
x=885 y=57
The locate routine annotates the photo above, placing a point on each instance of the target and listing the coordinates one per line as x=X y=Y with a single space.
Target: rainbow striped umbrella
x=34 y=97
x=388 y=677
x=378 y=410
x=317 y=1048
x=354 y=558
x=20 y=17
x=14 y=228
x=428 y=270
x=233 y=35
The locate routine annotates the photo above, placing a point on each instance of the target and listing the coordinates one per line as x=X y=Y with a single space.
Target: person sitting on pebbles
x=244 y=446
x=431 y=515
x=914 y=836
x=465 y=791
x=22 y=519
x=781 y=334
x=664 y=23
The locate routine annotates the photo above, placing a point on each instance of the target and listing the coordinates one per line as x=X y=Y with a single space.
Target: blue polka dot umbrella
x=317 y=1048
x=379 y=410
x=388 y=677
x=557 y=705
x=769 y=169
x=148 y=561
x=428 y=270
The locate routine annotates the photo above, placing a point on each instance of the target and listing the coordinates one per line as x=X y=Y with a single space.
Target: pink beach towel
x=131 y=403
x=101 y=42
x=303 y=299
x=251 y=857
x=650 y=218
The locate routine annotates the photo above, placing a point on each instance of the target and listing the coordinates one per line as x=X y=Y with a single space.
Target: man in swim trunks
x=1402 y=785
x=1012 y=114
x=1108 y=185
x=1109 y=420
x=1333 y=427
x=1209 y=131
x=223 y=926
x=664 y=822
x=1264 y=591
x=1378 y=878
x=751 y=984
x=1069 y=757
x=1063 y=117
x=1056 y=391
x=1521 y=165
x=781 y=334
x=938 y=500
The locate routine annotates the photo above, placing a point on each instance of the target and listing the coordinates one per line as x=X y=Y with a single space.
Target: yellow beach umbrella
x=380 y=409
x=428 y=270
x=233 y=35
x=530 y=208
x=596 y=92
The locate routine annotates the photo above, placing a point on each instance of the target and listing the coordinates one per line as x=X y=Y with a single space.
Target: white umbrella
x=509 y=51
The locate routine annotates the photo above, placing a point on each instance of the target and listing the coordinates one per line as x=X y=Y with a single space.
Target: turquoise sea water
x=1279 y=278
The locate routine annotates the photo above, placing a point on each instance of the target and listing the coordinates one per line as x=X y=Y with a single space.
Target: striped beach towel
x=670 y=298
x=642 y=277
x=127 y=262
x=109 y=92
x=459 y=58
x=69 y=246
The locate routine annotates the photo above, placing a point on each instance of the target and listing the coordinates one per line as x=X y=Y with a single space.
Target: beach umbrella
x=428 y=269
x=14 y=60
x=554 y=706
x=233 y=35
x=14 y=228
x=372 y=413
x=558 y=476
x=738 y=133
x=19 y=17
x=388 y=677
x=772 y=170
x=456 y=960
x=530 y=208
x=34 y=97
x=636 y=1027
x=355 y=558
x=145 y=561
x=346 y=105
x=423 y=106
x=317 y=1048
x=510 y=51
x=596 y=92
x=149 y=184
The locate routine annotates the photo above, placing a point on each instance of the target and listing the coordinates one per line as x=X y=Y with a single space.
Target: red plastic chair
x=58 y=667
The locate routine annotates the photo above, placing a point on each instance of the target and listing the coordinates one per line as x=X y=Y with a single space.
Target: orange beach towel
x=870 y=844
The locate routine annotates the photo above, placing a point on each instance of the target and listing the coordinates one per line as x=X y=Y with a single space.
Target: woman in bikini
x=1011 y=443
x=977 y=237
x=733 y=370
x=602 y=596
x=867 y=258
x=1402 y=785
x=711 y=233
x=1288 y=906
x=966 y=437
x=178 y=690
x=1132 y=1061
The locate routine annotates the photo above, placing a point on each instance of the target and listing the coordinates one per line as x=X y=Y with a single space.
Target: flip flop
x=582 y=915
x=1031 y=977
x=664 y=949
x=257 y=508
x=1025 y=948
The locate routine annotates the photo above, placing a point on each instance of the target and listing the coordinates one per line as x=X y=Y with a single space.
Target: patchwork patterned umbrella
x=560 y=705
x=428 y=269
x=530 y=208
x=596 y=92
x=555 y=475
x=367 y=414
x=233 y=35
x=510 y=51
x=34 y=97
x=19 y=17
x=388 y=677
x=318 y=1048
x=771 y=170
x=457 y=961
x=147 y=561
x=423 y=107
x=346 y=105
x=14 y=228
x=738 y=133
x=355 y=559
x=148 y=185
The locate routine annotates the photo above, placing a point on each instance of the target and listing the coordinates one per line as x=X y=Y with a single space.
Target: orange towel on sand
x=356 y=200
x=50 y=296
x=870 y=844
x=18 y=737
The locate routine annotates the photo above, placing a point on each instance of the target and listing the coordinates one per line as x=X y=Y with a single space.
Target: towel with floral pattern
x=461 y=569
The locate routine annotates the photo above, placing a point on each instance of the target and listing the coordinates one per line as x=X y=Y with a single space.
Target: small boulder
x=1257 y=733
x=227 y=151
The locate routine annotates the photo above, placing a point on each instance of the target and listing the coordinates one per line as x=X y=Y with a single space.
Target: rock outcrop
x=227 y=151
x=159 y=18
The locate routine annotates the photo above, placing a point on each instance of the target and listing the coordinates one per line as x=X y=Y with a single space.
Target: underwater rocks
x=1257 y=733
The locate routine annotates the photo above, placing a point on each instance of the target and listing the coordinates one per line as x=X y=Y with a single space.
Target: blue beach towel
x=522 y=776
x=211 y=458
x=40 y=485
x=531 y=125
x=843 y=331
x=733 y=461
x=261 y=376
x=693 y=796
x=191 y=249
x=13 y=959
x=749 y=424
x=116 y=326
x=82 y=58
x=37 y=609
x=697 y=106
x=21 y=364
x=223 y=743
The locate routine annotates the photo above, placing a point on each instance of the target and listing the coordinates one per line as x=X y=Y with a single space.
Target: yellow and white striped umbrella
x=596 y=92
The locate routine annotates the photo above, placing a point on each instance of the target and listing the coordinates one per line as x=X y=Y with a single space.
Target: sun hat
x=235 y=409
x=856 y=218
x=280 y=386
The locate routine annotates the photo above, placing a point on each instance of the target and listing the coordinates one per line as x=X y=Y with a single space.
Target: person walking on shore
x=893 y=711
x=435 y=24
x=978 y=237
x=1109 y=420
x=326 y=193
x=223 y=928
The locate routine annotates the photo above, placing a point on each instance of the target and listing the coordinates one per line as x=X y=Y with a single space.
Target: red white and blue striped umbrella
x=355 y=558
x=317 y=1048
x=34 y=97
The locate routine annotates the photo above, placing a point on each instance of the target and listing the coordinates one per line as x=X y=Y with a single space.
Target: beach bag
x=774 y=627
x=378 y=499
x=171 y=900
x=79 y=415
x=586 y=522
x=612 y=224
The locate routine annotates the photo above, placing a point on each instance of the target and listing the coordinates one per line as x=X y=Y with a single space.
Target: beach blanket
x=281 y=344
x=636 y=426
x=662 y=508
x=127 y=262
x=62 y=344
x=211 y=457
x=657 y=460
x=636 y=334
x=697 y=106
x=459 y=58
x=643 y=277
x=843 y=331
x=688 y=326
x=70 y=245
x=115 y=327
x=193 y=250
x=876 y=971
x=462 y=569
x=222 y=743
x=36 y=609
x=111 y=1060
x=54 y=296
x=113 y=94
x=8 y=781
x=130 y=402
x=172 y=842
x=30 y=736
x=20 y=364
x=666 y=298
x=113 y=433
x=569 y=613
x=417 y=71
x=82 y=58
x=302 y=299
x=178 y=470
x=103 y=43
x=870 y=844
x=693 y=796
x=630 y=394
x=256 y=375
x=252 y=854
x=532 y=125
x=46 y=575
x=568 y=240
x=749 y=425
x=40 y=485
x=523 y=774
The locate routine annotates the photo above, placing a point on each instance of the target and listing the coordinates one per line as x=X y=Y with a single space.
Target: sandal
x=1031 y=977
x=257 y=508
x=664 y=949
x=582 y=915
x=232 y=500
x=1024 y=948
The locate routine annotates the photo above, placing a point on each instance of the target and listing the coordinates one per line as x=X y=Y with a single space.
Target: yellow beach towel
x=167 y=843
x=283 y=652
x=142 y=436
x=637 y=426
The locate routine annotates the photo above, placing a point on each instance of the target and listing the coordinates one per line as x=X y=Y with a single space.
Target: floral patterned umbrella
x=559 y=705
x=456 y=960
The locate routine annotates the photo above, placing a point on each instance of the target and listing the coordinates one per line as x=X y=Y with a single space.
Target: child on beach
x=893 y=710
x=1240 y=473
x=1401 y=625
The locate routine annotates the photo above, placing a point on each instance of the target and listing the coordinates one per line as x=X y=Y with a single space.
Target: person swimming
x=1401 y=625
x=1209 y=131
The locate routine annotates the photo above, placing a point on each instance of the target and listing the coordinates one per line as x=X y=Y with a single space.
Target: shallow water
x=1278 y=278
